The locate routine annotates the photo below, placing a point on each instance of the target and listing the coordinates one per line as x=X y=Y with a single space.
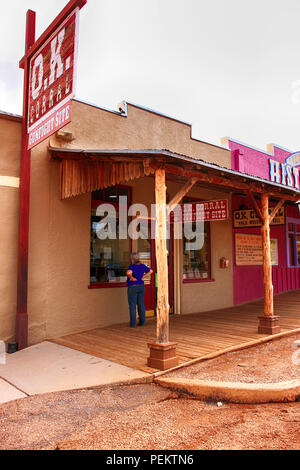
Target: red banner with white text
x=52 y=81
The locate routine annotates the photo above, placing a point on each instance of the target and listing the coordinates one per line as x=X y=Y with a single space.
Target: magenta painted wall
x=253 y=161
x=248 y=280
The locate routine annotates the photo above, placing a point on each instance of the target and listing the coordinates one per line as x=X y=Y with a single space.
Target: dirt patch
x=266 y=363
x=144 y=417
x=191 y=425
x=36 y=422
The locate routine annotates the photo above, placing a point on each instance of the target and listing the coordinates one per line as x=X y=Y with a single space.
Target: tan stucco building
x=64 y=294
x=76 y=280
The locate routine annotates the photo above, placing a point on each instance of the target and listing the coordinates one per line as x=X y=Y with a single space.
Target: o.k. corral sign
x=52 y=77
x=204 y=211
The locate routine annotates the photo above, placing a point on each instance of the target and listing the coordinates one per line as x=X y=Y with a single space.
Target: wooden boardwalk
x=197 y=335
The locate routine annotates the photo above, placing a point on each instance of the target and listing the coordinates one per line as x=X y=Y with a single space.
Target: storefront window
x=110 y=258
x=196 y=263
x=293 y=244
x=298 y=249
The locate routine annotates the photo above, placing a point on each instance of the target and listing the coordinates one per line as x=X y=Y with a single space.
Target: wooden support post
x=161 y=259
x=162 y=353
x=269 y=323
x=22 y=284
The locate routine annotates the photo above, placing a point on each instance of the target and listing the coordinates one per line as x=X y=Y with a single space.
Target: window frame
x=294 y=233
x=189 y=200
x=96 y=203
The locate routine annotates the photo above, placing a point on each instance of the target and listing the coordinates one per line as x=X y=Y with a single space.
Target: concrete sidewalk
x=49 y=367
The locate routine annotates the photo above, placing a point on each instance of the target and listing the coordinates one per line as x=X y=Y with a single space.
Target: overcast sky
x=229 y=67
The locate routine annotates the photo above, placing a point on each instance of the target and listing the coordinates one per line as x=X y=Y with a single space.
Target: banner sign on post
x=208 y=211
x=52 y=80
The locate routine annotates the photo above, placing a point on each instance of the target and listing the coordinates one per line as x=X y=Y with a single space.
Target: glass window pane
x=196 y=263
x=298 y=249
x=111 y=194
x=110 y=258
x=123 y=191
x=98 y=195
x=291 y=250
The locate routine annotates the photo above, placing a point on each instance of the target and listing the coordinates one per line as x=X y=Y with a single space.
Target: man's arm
x=147 y=274
x=129 y=274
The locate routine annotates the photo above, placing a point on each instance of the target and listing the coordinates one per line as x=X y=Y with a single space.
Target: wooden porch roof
x=82 y=171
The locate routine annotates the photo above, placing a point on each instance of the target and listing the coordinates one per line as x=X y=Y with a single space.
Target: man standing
x=136 y=275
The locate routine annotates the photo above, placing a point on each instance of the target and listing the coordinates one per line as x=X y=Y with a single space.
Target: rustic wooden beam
x=267 y=265
x=161 y=258
x=220 y=181
x=180 y=195
x=268 y=323
x=276 y=209
x=255 y=205
x=162 y=352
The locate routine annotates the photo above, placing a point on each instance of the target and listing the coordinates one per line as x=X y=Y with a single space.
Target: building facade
x=77 y=281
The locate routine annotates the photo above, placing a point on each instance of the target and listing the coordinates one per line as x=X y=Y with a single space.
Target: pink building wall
x=248 y=280
x=254 y=161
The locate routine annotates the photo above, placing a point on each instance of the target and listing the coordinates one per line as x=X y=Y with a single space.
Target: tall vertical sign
x=49 y=85
x=52 y=78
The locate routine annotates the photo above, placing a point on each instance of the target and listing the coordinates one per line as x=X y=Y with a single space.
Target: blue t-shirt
x=138 y=271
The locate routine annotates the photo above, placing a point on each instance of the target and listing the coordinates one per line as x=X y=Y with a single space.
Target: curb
x=234 y=392
x=237 y=347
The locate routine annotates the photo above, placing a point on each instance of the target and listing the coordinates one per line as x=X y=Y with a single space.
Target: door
x=146 y=250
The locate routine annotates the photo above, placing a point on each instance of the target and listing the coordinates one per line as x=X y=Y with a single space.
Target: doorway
x=146 y=250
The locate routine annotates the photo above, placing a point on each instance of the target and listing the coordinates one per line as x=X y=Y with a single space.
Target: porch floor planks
x=197 y=334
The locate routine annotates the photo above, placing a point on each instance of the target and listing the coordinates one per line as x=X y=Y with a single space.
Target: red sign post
x=49 y=84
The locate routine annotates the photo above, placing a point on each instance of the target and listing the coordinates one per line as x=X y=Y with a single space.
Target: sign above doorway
x=204 y=211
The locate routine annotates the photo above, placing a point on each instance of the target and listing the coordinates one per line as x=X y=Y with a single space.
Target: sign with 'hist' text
x=286 y=173
x=52 y=81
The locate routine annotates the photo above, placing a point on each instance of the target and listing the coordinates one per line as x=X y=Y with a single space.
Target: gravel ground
x=182 y=424
x=269 y=362
x=36 y=422
x=148 y=417
x=144 y=417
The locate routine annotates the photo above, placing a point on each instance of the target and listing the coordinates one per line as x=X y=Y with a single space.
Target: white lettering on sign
x=56 y=60
x=52 y=76
x=38 y=64
x=286 y=173
x=200 y=211
x=52 y=124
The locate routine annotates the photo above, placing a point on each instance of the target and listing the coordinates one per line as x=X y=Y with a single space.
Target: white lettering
x=51 y=99
x=67 y=85
x=44 y=105
x=283 y=173
x=56 y=57
x=58 y=97
x=274 y=171
x=296 y=177
x=38 y=63
x=289 y=175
